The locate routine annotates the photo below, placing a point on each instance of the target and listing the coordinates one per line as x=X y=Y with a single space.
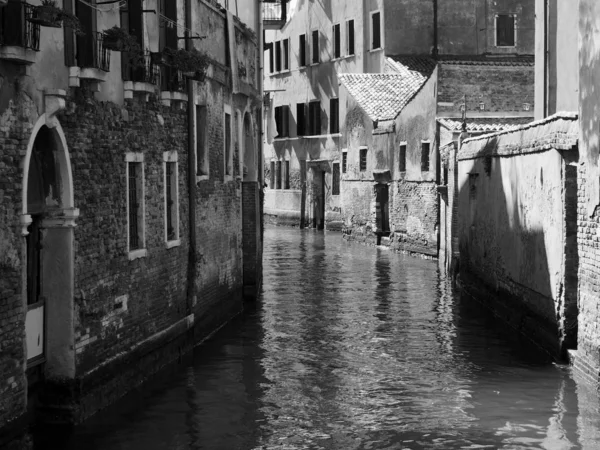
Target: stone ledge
x=18 y=55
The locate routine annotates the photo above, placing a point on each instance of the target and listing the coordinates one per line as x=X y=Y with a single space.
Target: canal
x=351 y=347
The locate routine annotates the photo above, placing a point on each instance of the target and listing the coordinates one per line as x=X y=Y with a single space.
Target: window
x=227 y=141
x=271 y=58
x=334 y=115
x=282 y=121
x=301 y=119
x=272 y=175
x=201 y=147
x=286 y=180
x=278 y=175
x=335 y=184
x=286 y=54
x=302 y=50
x=363 y=159
x=375 y=30
x=344 y=161
x=505 y=30
x=425 y=148
x=350 y=37
x=337 y=51
x=314 y=118
x=278 y=56
x=171 y=193
x=135 y=205
x=315 y=47
x=402 y=158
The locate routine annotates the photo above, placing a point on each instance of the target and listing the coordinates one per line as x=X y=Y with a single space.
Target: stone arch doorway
x=48 y=219
x=249 y=146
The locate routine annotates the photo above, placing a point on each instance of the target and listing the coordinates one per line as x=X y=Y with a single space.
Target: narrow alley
x=351 y=347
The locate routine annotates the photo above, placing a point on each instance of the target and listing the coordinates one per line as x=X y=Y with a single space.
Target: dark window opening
x=201 y=152
x=302 y=50
x=271 y=58
x=376 y=30
x=334 y=115
x=363 y=159
x=350 y=37
x=171 y=187
x=337 y=51
x=286 y=181
x=505 y=30
x=278 y=174
x=425 y=148
x=402 y=158
x=314 y=118
x=278 y=56
x=282 y=121
x=15 y=29
x=344 y=162
x=335 y=185
x=286 y=54
x=227 y=144
x=301 y=119
x=315 y=47
x=135 y=208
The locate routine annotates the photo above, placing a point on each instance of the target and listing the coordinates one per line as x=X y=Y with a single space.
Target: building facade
x=130 y=192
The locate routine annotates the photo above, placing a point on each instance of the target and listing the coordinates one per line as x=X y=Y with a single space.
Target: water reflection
x=353 y=347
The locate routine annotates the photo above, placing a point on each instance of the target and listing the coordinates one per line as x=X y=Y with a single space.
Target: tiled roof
x=517 y=60
x=384 y=95
x=484 y=124
x=559 y=131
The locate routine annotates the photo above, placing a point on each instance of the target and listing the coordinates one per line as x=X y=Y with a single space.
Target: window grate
x=363 y=159
x=344 y=162
x=134 y=207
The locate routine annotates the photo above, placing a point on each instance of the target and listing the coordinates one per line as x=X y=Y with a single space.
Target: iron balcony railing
x=91 y=52
x=171 y=79
x=140 y=68
x=15 y=27
x=274 y=12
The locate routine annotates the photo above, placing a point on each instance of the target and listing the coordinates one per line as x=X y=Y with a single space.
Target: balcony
x=91 y=61
x=140 y=73
x=274 y=14
x=172 y=86
x=19 y=38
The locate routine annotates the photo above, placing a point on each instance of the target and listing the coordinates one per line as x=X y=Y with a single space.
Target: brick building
x=129 y=203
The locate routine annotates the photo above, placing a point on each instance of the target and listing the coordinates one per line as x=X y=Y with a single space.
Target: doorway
x=382 y=209
x=319 y=200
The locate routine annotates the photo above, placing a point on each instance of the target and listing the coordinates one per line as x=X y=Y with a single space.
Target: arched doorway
x=48 y=220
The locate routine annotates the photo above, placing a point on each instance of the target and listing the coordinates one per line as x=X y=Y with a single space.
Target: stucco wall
x=408 y=27
x=563 y=57
x=511 y=233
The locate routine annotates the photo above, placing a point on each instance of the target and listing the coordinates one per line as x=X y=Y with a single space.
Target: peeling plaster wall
x=511 y=225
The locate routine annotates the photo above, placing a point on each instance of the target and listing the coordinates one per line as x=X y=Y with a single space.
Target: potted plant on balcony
x=192 y=63
x=119 y=40
x=48 y=14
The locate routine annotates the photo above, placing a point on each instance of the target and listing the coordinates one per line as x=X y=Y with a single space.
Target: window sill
x=281 y=72
x=321 y=136
x=136 y=254
x=375 y=50
x=315 y=63
x=171 y=244
x=201 y=178
x=227 y=178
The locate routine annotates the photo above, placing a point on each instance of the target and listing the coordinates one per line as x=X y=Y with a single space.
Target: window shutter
x=170 y=32
x=302 y=50
x=351 y=37
x=336 y=40
x=376 y=30
x=315 y=46
x=69 y=37
x=85 y=44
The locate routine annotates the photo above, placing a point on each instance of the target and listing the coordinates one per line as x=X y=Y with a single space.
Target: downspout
x=261 y=131
x=191 y=293
x=434 y=52
x=546 y=84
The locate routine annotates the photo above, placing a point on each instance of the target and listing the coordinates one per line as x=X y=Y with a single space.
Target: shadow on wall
x=515 y=243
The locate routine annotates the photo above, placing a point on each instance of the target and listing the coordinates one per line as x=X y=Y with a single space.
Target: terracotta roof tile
x=384 y=95
x=484 y=124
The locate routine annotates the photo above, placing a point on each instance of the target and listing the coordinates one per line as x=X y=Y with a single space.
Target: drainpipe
x=434 y=52
x=546 y=84
x=261 y=131
x=191 y=293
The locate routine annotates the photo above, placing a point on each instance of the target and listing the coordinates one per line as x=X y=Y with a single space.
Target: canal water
x=352 y=347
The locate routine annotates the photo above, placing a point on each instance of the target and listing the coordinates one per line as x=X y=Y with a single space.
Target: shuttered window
x=425 y=150
x=337 y=51
x=363 y=159
x=505 y=30
x=315 y=46
x=402 y=158
x=286 y=54
x=334 y=115
x=302 y=50
x=314 y=117
x=350 y=37
x=376 y=30
x=301 y=119
x=278 y=56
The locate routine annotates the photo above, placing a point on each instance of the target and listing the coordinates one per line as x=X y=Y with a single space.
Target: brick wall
x=500 y=87
x=588 y=355
x=13 y=141
x=413 y=216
